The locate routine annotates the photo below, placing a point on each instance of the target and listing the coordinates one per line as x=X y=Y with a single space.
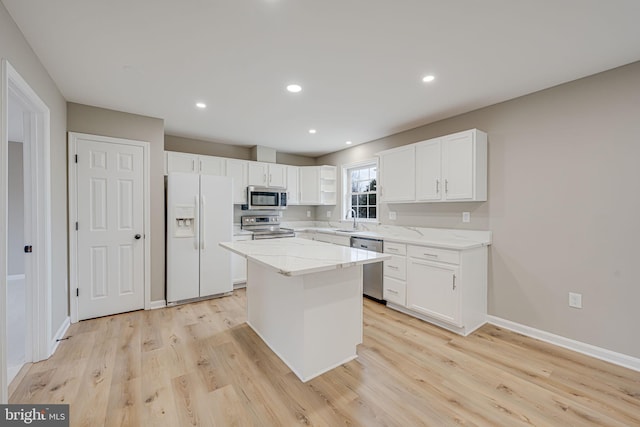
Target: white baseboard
x=157 y=304
x=578 y=346
x=53 y=345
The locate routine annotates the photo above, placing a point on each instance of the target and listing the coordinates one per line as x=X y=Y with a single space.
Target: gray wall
x=563 y=205
x=15 y=48
x=100 y=121
x=209 y=148
x=15 y=218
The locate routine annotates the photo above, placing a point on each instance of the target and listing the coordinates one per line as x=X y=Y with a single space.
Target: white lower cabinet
x=432 y=290
x=442 y=286
x=394 y=290
x=333 y=238
x=239 y=264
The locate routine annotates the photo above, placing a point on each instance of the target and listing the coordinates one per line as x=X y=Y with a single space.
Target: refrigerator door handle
x=196 y=242
x=203 y=237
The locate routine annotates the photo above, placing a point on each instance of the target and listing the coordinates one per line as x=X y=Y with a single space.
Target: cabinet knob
x=137 y=236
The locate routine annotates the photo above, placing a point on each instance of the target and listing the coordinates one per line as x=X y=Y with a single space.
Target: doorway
x=25 y=278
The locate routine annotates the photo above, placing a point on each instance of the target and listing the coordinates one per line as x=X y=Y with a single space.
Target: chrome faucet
x=352 y=211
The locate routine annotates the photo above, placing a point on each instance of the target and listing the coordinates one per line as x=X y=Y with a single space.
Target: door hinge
x=77 y=292
x=76 y=225
x=76 y=158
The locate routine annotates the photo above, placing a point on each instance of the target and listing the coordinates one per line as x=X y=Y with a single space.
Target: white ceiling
x=360 y=62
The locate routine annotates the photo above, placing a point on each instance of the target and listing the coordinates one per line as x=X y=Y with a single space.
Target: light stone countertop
x=294 y=257
x=435 y=237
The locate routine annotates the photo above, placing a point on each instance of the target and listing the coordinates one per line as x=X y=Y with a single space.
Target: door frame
x=73 y=215
x=38 y=270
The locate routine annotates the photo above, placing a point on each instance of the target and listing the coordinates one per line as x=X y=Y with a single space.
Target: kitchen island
x=304 y=299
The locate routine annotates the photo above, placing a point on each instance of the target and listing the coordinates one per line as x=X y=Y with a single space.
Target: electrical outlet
x=392 y=215
x=466 y=216
x=328 y=214
x=575 y=300
x=308 y=214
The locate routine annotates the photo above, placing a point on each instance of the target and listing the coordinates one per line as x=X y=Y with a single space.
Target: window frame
x=346 y=189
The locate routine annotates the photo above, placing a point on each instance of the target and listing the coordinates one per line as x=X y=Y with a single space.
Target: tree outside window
x=362 y=195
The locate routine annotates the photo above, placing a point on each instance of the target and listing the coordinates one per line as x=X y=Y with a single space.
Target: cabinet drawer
x=395 y=248
x=395 y=291
x=434 y=254
x=396 y=267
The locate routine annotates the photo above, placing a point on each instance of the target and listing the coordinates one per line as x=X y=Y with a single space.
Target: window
x=361 y=180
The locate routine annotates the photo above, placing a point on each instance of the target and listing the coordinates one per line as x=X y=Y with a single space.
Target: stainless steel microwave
x=266 y=198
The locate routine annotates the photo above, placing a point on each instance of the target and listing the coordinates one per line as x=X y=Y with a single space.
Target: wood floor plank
x=200 y=364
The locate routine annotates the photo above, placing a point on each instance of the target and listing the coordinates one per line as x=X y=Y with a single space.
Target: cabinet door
x=398 y=177
x=210 y=165
x=237 y=169
x=309 y=185
x=432 y=290
x=239 y=263
x=293 y=191
x=457 y=166
x=182 y=162
x=258 y=174
x=277 y=175
x=428 y=171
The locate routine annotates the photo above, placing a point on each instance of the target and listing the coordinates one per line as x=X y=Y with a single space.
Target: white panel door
x=216 y=225
x=432 y=290
x=110 y=194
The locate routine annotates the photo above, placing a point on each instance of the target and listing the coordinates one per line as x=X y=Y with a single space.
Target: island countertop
x=295 y=256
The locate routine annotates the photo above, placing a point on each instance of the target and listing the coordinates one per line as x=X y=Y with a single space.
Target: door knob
x=137 y=236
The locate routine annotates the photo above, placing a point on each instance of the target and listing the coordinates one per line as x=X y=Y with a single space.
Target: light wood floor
x=199 y=364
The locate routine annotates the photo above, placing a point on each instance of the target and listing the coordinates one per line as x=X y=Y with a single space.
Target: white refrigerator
x=199 y=216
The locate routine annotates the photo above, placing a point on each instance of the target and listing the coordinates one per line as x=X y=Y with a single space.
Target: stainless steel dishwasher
x=372 y=273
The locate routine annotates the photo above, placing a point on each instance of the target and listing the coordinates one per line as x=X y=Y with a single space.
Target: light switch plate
x=575 y=300
x=392 y=215
x=466 y=216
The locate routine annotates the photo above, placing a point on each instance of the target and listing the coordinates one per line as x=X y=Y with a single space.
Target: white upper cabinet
x=267 y=174
x=194 y=163
x=181 y=162
x=238 y=170
x=210 y=165
x=429 y=184
x=464 y=166
x=451 y=168
x=277 y=175
x=398 y=175
x=317 y=185
x=293 y=188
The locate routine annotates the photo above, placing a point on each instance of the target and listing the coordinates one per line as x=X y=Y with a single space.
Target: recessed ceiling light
x=428 y=78
x=201 y=105
x=294 y=88
x=312 y=131
x=348 y=142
